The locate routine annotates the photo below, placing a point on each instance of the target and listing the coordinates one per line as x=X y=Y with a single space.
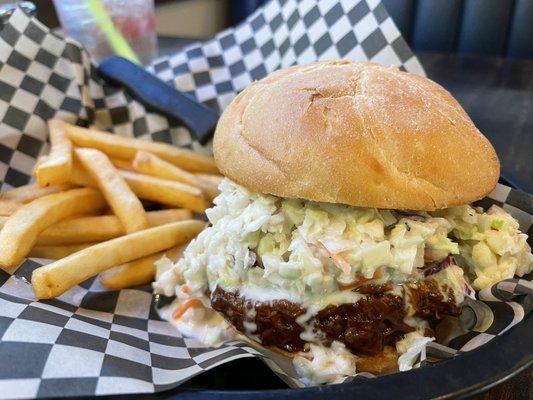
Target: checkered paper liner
x=92 y=341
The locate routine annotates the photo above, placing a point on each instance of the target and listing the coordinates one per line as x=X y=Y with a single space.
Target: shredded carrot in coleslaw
x=182 y=308
x=337 y=259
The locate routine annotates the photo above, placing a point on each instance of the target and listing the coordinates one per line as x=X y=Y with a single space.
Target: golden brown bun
x=381 y=364
x=357 y=134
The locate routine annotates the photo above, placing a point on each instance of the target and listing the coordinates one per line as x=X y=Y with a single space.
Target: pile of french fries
x=87 y=209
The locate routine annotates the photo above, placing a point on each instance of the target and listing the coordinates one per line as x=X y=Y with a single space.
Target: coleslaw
x=268 y=248
x=272 y=248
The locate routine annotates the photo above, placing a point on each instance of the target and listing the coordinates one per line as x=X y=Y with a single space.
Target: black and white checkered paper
x=92 y=341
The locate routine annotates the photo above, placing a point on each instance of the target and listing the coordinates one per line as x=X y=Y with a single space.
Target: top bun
x=355 y=133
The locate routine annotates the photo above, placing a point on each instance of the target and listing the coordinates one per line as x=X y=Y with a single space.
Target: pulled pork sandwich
x=343 y=234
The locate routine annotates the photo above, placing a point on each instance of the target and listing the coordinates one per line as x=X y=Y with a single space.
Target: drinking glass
x=133 y=19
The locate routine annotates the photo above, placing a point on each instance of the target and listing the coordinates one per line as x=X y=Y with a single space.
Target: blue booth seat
x=489 y=27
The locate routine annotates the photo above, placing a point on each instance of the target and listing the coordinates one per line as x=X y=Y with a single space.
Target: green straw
x=119 y=45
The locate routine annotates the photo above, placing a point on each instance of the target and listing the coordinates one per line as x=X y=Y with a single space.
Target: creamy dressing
x=308 y=334
x=268 y=248
x=452 y=277
x=266 y=294
x=200 y=323
x=250 y=327
x=322 y=364
x=167 y=277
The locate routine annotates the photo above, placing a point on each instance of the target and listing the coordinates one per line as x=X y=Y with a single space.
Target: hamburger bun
x=357 y=134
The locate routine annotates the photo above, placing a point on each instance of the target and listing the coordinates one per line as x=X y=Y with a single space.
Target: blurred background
x=187 y=18
x=480 y=50
x=489 y=27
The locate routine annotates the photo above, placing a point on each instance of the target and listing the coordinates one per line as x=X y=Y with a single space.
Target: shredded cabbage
x=491 y=244
x=324 y=364
x=308 y=250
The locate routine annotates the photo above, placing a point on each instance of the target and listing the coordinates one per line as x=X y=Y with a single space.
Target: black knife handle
x=157 y=96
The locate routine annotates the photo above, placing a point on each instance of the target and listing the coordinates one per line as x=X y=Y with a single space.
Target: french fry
x=27 y=193
x=55 y=252
x=123 y=202
x=125 y=148
x=137 y=272
x=56 y=278
x=161 y=217
x=42 y=158
x=8 y=207
x=55 y=168
x=133 y=273
x=172 y=193
x=211 y=191
x=21 y=230
x=96 y=127
x=211 y=178
x=102 y=227
x=150 y=164
x=80 y=177
x=122 y=164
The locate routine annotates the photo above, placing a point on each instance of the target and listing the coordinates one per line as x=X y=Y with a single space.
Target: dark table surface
x=498 y=95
